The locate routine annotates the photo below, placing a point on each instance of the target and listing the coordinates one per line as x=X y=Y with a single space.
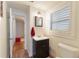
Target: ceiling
x=44 y=5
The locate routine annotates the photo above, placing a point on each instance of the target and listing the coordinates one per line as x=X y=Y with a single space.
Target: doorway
x=18 y=45
x=19 y=40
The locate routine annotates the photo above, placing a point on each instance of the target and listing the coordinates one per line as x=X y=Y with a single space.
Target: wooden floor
x=19 y=51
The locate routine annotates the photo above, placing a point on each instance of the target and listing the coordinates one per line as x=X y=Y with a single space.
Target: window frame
x=71 y=33
x=57 y=11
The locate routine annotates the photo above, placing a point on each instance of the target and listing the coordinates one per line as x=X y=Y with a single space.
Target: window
x=61 y=18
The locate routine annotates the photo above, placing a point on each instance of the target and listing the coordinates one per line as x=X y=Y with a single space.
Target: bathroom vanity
x=40 y=47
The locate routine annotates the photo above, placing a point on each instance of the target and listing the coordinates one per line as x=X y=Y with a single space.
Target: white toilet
x=67 y=51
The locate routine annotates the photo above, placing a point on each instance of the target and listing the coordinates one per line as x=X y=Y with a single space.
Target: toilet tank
x=67 y=51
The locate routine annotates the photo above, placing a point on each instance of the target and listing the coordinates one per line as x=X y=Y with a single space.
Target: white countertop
x=39 y=38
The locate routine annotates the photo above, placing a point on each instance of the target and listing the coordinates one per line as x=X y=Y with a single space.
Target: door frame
x=16 y=12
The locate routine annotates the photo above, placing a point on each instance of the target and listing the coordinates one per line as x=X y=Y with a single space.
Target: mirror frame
x=38 y=21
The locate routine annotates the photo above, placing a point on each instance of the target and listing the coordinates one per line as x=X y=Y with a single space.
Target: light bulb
x=39 y=14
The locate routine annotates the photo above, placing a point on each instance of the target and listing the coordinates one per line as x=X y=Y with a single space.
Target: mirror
x=38 y=21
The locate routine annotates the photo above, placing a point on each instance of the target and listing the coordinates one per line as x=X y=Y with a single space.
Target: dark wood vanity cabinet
x=41 y=48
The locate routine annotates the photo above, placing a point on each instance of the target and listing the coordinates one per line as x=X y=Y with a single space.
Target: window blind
x=61 y=18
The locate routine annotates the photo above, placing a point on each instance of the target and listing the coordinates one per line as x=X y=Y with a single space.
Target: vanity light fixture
x=39 y=14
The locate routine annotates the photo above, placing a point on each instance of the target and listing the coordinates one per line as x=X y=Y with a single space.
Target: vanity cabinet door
x=42 y=48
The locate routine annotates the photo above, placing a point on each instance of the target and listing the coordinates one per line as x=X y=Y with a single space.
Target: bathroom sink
x=37 y=38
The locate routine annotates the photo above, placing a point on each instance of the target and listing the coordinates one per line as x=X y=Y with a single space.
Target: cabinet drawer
x=43 y=42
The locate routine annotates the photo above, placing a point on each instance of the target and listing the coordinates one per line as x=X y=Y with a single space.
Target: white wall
x=19 y=28
x=3 y=34
x=34 y=12
x=74 y=40
x=3 y=39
